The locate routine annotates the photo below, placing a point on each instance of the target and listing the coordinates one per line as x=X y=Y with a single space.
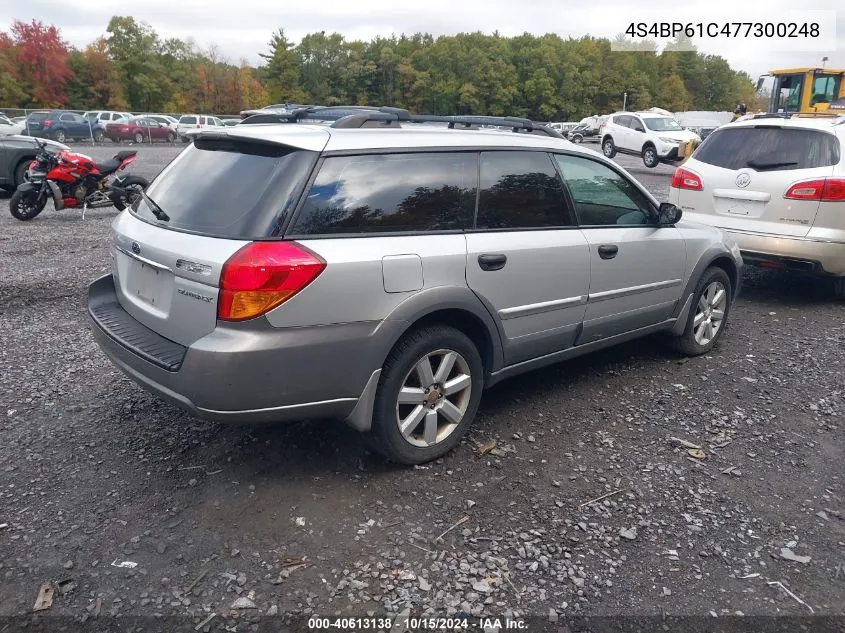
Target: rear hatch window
x=227 y=188
x=769 y=148
x=188 y=120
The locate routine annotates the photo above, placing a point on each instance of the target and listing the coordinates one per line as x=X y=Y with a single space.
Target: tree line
x=541 y=77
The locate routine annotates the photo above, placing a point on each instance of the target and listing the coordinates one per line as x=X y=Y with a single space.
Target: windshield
x=662 y=124
x=262 y=184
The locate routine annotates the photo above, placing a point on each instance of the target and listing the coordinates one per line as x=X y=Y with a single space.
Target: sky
x=241 y=30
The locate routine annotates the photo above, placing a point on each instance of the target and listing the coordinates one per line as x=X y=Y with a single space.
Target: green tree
x=281 y=72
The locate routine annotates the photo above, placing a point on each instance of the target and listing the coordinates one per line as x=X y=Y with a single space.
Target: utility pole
x=624 y=101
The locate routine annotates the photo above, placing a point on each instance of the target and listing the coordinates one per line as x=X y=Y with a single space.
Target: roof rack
x=349 y=117
x=798 y=115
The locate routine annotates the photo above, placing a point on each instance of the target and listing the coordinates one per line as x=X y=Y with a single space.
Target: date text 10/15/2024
x=401 y=624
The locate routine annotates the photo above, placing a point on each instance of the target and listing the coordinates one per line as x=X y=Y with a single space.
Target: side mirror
x=668 y=214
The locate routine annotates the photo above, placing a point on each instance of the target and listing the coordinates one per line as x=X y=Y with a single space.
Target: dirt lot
x=301 y=519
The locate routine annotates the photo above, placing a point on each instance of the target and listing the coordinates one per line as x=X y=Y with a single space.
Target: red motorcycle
x=75 y=180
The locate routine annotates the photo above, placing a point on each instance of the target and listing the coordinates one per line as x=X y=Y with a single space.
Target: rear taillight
x=262 y=276
x=685 y=179
x=821 y=189
x=47 y=123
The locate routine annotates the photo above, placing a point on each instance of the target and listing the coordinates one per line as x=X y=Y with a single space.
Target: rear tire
x=139 y=138
x=839 y=288
x=171 y=138
x=608 y=148
x=577 y=139
x=28 y=211
x=99 y=137
x=435 y=404
x=708 y=314
x=59 y=137
x=133 y=185
x=20 y=172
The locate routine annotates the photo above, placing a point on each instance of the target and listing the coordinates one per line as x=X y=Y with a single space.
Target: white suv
x=655 y=137
x=188 y=122
x=778 y=187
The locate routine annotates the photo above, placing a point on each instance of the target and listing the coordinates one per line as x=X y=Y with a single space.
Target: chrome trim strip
x=633 y=290
x=778 y=236
x=143 y=260
x=288 y=407
x=539 y=308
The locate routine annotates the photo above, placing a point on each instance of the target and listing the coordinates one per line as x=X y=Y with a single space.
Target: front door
x=636 y=267
x=525 y=258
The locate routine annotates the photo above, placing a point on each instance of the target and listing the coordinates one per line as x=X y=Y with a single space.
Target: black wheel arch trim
x=712 y=256
x=426 y=303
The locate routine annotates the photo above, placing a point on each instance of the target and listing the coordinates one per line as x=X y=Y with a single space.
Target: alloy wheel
x=433 y=398
x=710 y=313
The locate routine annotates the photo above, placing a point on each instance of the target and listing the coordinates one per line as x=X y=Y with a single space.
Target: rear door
x=35 y=122
x=168 y=253
x=745 y=173
x=636 y=267
x=526 y=259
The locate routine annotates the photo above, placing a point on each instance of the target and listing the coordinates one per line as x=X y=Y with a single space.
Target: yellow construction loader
x=806 y=91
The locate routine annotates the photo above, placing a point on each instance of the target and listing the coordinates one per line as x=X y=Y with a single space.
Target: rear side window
x=39 y=116
x=227 y=188
x=769 y=148
x=391 y=193
x=519 y=190
x=188 y=120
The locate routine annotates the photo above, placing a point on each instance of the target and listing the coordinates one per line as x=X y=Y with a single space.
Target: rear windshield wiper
x=755 y=165
x=156 y=210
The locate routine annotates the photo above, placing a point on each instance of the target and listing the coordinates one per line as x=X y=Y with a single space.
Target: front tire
x=577 y=138
x=708 y=316
x=59 y=137
x=608 y=148
x=139 y=138
x=25 y=207
x=99 y=137
x=650 y=158
x=171 y=138
x=839 y=288
x=427 y=396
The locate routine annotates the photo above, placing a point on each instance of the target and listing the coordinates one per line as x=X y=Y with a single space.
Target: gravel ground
x=586 y=505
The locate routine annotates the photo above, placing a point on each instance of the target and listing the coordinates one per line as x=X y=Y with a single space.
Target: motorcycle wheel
x=133 y=192
x=25 y=208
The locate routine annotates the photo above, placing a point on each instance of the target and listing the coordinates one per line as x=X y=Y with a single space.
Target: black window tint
x=386 y=193
x=188 y=120
x=602 y=196
x=769 y=148
x=228 y=188
x=519 y=190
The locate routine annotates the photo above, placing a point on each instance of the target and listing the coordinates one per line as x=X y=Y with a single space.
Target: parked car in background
x=189 y=122
x=655 y=137
x=164 y=119
x=275 y=108
x=140 y=129
x=230 y=122
x=61 y=125
x=104 y=117
x=777 y=186
x=387 y=276
x=583 y=132
x=9 y=127
x=16 y=153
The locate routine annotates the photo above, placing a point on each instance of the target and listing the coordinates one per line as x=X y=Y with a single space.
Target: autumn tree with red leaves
x=42 y=58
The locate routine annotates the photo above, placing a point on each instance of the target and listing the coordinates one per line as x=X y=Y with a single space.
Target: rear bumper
x=799 y=254
x=247 y=372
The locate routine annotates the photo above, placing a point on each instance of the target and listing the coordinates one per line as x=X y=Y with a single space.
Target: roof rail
x=352 y=116
x=797 y=115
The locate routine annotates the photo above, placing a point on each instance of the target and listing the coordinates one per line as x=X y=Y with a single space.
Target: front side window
x=603 y=197
x=520 y=190
x=417 y=192
x=824 y=89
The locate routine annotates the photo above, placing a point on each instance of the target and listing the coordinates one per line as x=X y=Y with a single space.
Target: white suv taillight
x=262 y=276
x=822 y=189
x=685 y=179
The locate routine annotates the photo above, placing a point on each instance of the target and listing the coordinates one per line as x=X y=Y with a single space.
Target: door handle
x=492 y=262
x=608 y=251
